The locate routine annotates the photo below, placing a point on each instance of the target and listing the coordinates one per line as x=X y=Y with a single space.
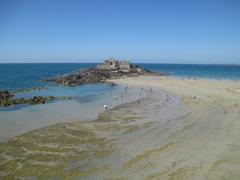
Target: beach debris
x=105 y=106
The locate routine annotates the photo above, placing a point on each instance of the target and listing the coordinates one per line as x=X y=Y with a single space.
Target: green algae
x=78 y=173
x=155 y=176
x=181 y=173
x=132 y=128
x=104 y=117
x=43 y=157
x=46 y=152
x=15 y=151
x=108 y=127
x=9 y=166
x=129 y=118
x=49 y=149
x=146 y=155
x=78 y=156
x=65 y=150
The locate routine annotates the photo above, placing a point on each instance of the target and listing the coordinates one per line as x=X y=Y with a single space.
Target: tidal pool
x=85 y=104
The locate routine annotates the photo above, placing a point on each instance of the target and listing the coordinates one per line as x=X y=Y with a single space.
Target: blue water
x=21 y=78
x=24 y=76
x=200 y=71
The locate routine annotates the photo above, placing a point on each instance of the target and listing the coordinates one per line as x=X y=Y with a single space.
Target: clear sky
x=158 y=31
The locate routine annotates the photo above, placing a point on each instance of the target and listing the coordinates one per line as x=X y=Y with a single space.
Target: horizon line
x=233 y=64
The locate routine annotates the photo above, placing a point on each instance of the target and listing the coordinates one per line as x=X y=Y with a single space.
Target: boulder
x=5 y=95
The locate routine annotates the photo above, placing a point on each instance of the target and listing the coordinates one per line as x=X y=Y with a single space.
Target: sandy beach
x=120 y=90
x=182 y=129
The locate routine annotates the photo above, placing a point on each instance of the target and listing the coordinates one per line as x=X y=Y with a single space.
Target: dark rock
x=110 y=69
x=51 y=98
x=20 y=101
x=37 y=100
x=7 y=100
x=5 y=95
x=112 y=84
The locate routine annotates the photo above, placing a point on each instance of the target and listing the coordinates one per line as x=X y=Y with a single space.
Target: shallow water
x=86 y=103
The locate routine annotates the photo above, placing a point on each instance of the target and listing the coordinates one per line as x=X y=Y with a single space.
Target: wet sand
x=182 y=129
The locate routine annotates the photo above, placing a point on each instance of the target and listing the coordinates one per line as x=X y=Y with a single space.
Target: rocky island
x=110 y=69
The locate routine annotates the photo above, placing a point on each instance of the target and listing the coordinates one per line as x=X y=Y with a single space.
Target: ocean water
x=87 y=101
x=85 y=104
x=23 y=76
x=231 y=72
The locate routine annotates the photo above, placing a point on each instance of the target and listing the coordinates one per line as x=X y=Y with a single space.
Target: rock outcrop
x=5 y=95
x=6 y=99
x=110 y=69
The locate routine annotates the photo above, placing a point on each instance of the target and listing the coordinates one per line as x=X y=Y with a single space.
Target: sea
x=86 y=101
x=23 y=76
x=209 y=71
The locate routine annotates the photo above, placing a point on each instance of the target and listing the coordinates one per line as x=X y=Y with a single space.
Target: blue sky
x=158 y=31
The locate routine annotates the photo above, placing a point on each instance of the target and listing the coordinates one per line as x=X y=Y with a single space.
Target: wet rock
x=51 y=97
x=112 y=84
x=20 y=101
x=36 y=100
x=5 y=95
x=7 y=100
